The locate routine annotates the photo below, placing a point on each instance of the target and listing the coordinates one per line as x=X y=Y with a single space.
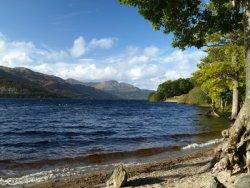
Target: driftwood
x=234 y=152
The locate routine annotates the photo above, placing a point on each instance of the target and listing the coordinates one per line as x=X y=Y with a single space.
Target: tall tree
x=217 y=74
x=191 y=21
x=247 y=33
x=231 y=40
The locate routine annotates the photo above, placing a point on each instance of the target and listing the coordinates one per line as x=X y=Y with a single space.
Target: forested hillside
x=25 y=83
x=170 y=89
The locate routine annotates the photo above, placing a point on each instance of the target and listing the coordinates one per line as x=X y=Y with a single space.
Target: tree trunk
x=213 y=106
x=235 y=101
x=234 y=153
x=248 y=56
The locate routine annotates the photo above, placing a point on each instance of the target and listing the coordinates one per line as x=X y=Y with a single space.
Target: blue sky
x=89 y=40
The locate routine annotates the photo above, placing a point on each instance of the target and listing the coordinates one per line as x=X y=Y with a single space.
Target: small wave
x=95 y=158
x=195 y=145
x=43 y=176
x=38 y=177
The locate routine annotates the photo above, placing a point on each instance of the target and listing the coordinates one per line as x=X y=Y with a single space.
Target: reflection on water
x=211 y=126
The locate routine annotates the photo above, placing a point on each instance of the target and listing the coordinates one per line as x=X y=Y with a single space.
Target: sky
x=90 y=40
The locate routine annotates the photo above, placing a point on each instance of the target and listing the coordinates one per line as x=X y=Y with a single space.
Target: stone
x=215 y=183
x=243 y=182
x=118 y=178
x=225 y=133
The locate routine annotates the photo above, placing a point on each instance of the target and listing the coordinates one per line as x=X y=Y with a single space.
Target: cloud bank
x=144 y=67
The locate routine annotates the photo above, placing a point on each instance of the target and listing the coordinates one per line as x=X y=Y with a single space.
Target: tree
x=218 y=75
x=231 y=41
x=171 y=88
x=191 y=22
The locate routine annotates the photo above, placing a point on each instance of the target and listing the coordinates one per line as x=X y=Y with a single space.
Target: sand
x=190 y=171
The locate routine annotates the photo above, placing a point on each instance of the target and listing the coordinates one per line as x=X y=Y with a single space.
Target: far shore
x=177 y=102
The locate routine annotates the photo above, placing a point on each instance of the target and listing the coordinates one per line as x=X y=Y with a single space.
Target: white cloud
x=78 y=48
x=145 y=71
x=151 y=51
x=13 y=58
x=104 y=43
x=173 y=75
x=144 y=67
x=136 y=55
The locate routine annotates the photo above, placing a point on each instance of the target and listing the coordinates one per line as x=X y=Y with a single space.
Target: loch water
x=50 y=134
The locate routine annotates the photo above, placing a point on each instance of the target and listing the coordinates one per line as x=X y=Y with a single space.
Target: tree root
x=234 y=152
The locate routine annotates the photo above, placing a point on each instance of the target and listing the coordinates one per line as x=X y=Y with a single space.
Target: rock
x=215 y=183
x=118 y=177
x=225 y=133
x=243 y=182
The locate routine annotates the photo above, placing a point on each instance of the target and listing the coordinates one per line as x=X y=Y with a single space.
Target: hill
x=22 y=82
x=195 y=96
x=171 y=88
x=119 y=89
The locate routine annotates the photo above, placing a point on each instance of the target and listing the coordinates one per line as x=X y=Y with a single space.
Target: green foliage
x=217 y=71
x=191 y=21
x=171 y=88
x=150 y=96
x=156 y=97
x=195 y=96
x=204 y=23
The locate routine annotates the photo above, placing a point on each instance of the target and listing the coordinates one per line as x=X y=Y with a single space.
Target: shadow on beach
x=144 y=181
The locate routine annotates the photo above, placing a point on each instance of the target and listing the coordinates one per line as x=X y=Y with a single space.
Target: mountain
x=119 y=89
x=22 y=82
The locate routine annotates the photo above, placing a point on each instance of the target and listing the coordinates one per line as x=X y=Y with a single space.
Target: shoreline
x=189 y=171
x=169 y=100
x=98 y=179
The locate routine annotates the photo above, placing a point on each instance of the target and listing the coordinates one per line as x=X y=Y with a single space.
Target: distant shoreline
x=194 y=97
x=21 y=82
x=175 y=100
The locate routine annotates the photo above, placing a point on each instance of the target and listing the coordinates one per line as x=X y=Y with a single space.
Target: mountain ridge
x=120 y=89
x=21 y=82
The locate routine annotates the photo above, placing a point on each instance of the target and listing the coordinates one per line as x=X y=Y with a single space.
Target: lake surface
x=44 y=135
